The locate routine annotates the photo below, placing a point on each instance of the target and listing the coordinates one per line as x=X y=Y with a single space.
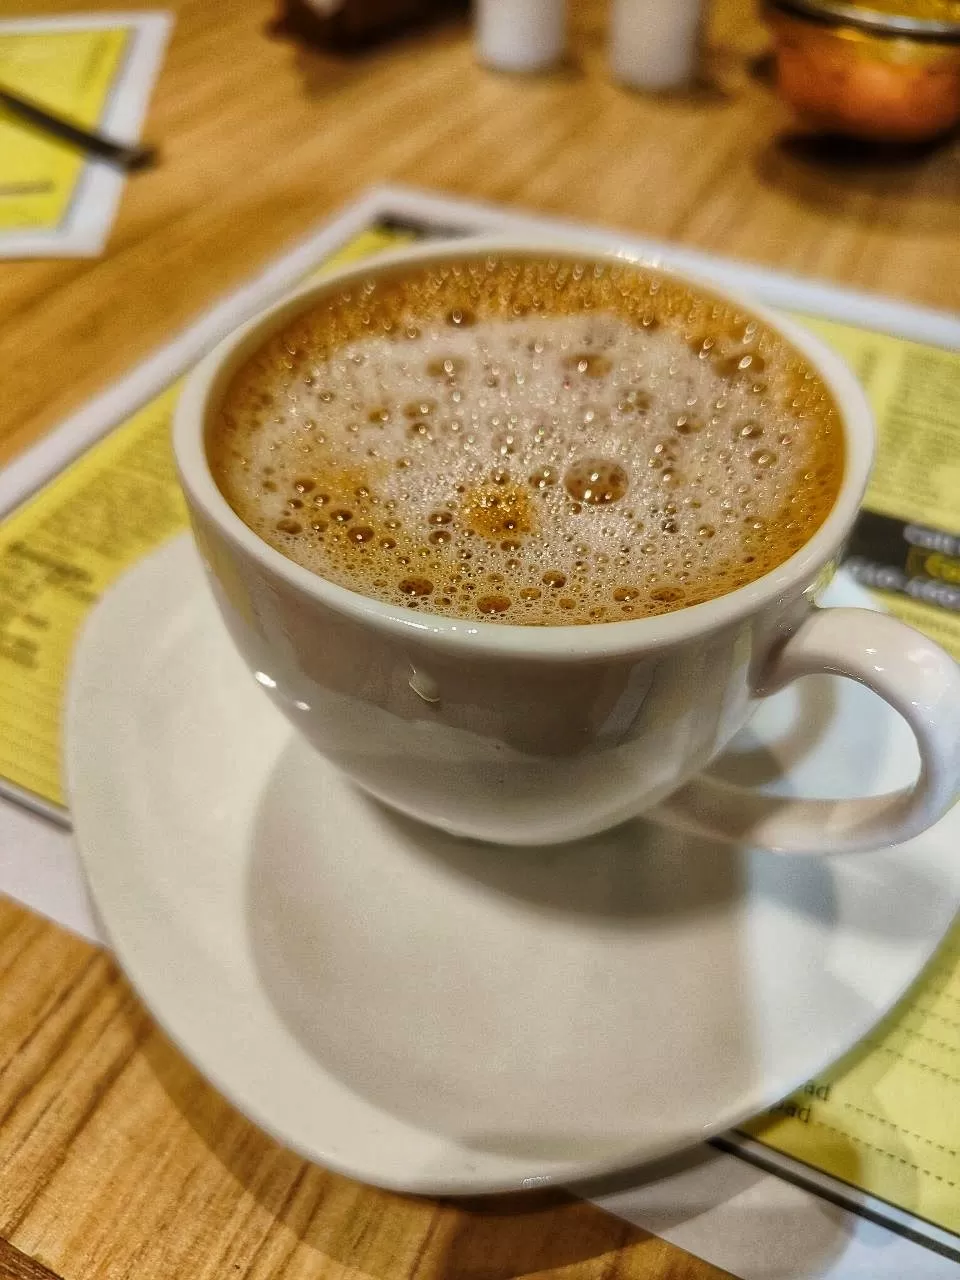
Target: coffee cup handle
x=911 y=673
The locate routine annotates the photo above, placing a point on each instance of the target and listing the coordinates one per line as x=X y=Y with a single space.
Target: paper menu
x=96 y=70
x=915 y=394
x=58 y=554
x=887 y=1118
x=877 y=1121
x=71 y=72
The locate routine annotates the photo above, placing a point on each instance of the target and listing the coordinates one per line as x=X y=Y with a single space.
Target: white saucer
x=440 y=1016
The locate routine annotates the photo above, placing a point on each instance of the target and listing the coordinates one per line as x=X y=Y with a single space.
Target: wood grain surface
x=116 y=1159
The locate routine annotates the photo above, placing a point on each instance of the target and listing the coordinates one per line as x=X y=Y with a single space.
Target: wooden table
x=117 y=1159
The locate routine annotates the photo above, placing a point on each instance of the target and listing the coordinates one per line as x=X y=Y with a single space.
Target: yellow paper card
x=72 y=72
x=887 y=1118
x=914 y=391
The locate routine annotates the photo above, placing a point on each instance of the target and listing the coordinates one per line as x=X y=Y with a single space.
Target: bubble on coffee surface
x=545 y=442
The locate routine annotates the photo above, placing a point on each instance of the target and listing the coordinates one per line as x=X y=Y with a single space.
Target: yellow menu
x=58 y=554
x=914 y=391
x=72 y=72
x=887 y=1120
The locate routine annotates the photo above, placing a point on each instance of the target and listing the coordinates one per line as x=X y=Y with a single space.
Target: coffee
x=517 y=440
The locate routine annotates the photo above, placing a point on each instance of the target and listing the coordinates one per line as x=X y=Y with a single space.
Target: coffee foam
x=540 y=442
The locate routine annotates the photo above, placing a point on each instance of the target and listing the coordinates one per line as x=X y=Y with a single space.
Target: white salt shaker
x=521 y=35
x=655 y=44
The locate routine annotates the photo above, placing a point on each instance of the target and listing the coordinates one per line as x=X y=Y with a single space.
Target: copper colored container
x=889 y=73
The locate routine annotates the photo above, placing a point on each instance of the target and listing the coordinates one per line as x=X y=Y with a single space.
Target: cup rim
x=208 y=380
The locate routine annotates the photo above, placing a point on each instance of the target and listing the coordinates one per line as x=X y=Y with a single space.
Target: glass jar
x=889 y=73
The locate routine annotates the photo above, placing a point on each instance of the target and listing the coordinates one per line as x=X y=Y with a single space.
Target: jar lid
x=915 y=19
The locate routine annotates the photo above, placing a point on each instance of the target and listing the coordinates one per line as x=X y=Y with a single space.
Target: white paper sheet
x=761 y=1227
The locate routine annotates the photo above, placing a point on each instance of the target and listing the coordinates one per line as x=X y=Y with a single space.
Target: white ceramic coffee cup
x=534 y=735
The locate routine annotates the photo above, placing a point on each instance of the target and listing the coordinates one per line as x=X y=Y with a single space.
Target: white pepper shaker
x=521 y=35
x=655 y=44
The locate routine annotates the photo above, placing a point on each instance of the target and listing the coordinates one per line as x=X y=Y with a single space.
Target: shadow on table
x=911 y=189
x=752 y=1224
x=387 y=1236
x=326 y=63
x=512 y=1236
x=384 y=1235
